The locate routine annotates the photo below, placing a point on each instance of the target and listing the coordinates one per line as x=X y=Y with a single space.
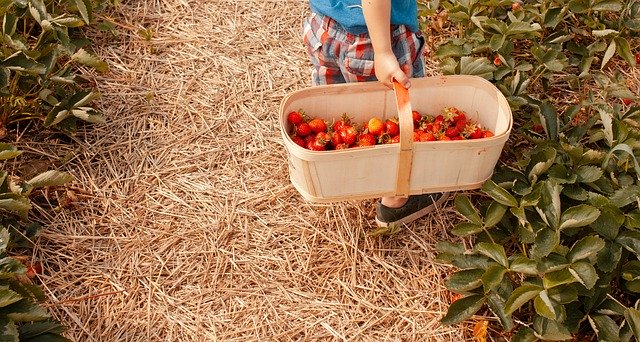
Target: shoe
x=416 y=207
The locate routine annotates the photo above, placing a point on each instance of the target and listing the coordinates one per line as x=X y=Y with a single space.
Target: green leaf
x=585 y=248
x=609 y=222
x=524 y=265
x=4 y=240
x=585 y=273
x=551 y=206
x=607 y=5
x=478 y=66
x=494 y=214
x=17 y=204
x=8 y=297
x=630 y=239
x=578 y=216
x=8 y=330
x=20 y=62
x=494 y=251
x=524 y=334
x=633 y=319
x=520 y=296
x=624 y=49
x=549 y=119
x=546 y=241
x=558 y=278
x=28 y=331
x=464 y=229
x=84 y=58
x=627 y=149
x=465 y=208
x=625 y=196
x=50 y=178
x=450 y=247
x=8 y=151
x=563 y=294
x=611 y=50
x=24 y=311
x=496 y=305
x=588 y=173
x=84 y=11
x=463 y=309
x=465 y=280
x=492 y=277
x=609 y=256
x=551 y=330
x=605 y=327
x=499 y=194
x=543 y=306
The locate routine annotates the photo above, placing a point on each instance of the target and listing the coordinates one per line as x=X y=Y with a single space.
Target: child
x=368 y=40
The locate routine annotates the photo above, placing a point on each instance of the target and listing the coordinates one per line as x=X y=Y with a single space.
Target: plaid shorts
x=340 y=57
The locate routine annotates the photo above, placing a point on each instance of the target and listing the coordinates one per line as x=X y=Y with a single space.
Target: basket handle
x=405 y=119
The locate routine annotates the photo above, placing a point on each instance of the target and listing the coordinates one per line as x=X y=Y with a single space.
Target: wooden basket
x=401 y=169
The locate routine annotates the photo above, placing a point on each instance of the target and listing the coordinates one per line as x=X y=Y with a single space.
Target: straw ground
x=184 y=225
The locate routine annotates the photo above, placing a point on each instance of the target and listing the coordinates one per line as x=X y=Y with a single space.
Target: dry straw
x=185 y=226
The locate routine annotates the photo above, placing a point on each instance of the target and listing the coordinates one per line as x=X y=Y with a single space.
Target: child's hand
x=387 y=69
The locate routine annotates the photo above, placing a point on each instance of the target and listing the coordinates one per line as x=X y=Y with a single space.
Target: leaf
x=607 y=5
x=578 y=216
x=50 y=178
x=492 y=277
x=463 y=309
x=499 y=194
x=605 y=327
x=494 y=214
x=465 y=280
x=24 y=311
x=611 y=50
x=524 y=334
x=549 y=119
x=624 y=50
x=494 y=251
x=563 y=294
x=588 y=173
x=625 y=196
x=609 y=222
x=8 y=330
x=84 y=58
x=551 y=204
x=478 y=66
x=609 y=257
x=551 y=330
x=19 y=61
x=585 y=248
x=464 y=229
x=4 y=240
x=546 y=241
x=585 y=273
x=524 y=265
x=8 y=297
x=630 y=239
x=633 y=319
x=8 y=151
x=520 y=296
x=543 y=306
x=465 y=208
x=558 y=278
x=35 y=329
x=449 y=247
x=624 y=148
x=17 y=204
x=496 y=305
x=84 y=11
x=88 y=114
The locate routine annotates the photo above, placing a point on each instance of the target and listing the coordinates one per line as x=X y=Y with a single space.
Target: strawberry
x=417 y=117
x=461 y=124
x=476 y=134
x=342 y=146
x=317 y=125
x=348 y=134
x=627 y=101
x=497 y=61
x=638 y=57
x=298 y=141
x=394 y=139
x=366 y=139
x=391 y=127
x=427 y=136
x=336 y=139
x=515 y=6
x=295 y=117
x=303 y=129
x=451 y=132
x=487 y=134
x=375 y=126
x=344 y=121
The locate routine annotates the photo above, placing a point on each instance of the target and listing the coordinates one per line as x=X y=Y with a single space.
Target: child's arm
x=377 y=15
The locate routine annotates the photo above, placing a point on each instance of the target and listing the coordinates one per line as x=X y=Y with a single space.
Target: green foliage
x=556 y=239
x=42 y=48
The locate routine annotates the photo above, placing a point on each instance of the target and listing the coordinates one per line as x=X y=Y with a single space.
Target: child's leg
x=322 y=49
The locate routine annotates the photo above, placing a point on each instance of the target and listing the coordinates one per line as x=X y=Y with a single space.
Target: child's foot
x=416 y=207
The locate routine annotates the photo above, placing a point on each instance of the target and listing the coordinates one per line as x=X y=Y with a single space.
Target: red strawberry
x=317 y=125
x=303 y=129
x=477 y=134
x=299 y=141
x=394 y=139
x=391 y=127
x=366 y=139
x=295 y=117
x=349 y=135
x=638 y=57
x=487 y=134
x=627 y=101
x=451 y=132
x=344 y=121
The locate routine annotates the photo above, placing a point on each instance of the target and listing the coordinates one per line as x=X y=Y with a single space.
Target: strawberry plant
x=42 y=48
x=554 y=234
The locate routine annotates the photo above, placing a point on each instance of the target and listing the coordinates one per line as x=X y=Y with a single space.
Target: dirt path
x=191 y=230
